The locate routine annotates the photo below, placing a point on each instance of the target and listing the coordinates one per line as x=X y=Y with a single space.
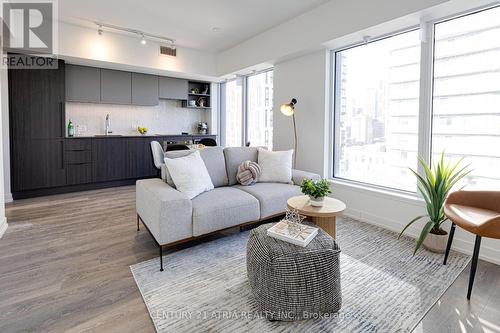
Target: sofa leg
x=473 y=267
x=137 y=222
x=161 y=258
x=450 y=241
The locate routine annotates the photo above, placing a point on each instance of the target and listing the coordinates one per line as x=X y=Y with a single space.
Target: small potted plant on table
x=317 y=190
x=434 y=187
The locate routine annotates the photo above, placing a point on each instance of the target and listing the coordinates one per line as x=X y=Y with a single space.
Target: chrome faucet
x=108 y=124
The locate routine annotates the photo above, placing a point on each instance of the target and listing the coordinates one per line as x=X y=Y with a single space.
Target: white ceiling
x=189 y=22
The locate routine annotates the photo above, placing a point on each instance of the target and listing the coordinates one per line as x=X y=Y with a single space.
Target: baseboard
x=3 y=226
x=459 y=244
x=8 y=197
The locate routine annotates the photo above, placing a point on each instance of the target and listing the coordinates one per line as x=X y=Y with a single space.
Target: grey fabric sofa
x=172 y=218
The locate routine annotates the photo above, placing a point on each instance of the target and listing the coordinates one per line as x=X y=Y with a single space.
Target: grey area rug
x=384 y=289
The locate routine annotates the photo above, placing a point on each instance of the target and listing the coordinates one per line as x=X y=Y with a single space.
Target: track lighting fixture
x=143 y=35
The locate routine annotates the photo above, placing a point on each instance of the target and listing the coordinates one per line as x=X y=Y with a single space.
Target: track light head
x=143 y=40
x=99 y=30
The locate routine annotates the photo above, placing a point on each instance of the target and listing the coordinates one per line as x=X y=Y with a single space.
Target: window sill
x=389 y=194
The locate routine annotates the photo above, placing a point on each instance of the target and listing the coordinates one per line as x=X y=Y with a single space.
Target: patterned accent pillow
x=248 y=173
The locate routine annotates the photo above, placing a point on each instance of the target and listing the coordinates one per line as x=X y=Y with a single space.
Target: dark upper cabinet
x=36 y=103
x=116 y=87
x=110 y=159
x=83 y=84
x=37 y=164
x=98 y=85
x=172 y=88
x=144 y=89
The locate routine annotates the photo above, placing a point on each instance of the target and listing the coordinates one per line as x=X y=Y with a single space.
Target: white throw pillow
x=189 y=174
x=276 y=166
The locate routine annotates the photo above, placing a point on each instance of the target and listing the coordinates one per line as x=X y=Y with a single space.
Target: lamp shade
x=288 y=109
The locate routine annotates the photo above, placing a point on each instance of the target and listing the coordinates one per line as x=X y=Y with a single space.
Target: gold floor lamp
x=289 y=110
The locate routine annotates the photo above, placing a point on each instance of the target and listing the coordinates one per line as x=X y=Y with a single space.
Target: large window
x=232 y=107
x=247 y=110
x=386 y=115
x=466 y=103
x=377 y=111
x=260 y=109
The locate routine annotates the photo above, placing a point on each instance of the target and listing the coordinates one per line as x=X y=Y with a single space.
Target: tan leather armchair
x=477 y=212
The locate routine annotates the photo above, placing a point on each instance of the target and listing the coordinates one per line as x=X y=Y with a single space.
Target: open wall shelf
x=198 y=95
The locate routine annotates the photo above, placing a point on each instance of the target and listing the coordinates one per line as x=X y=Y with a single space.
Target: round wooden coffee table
x=324 y=217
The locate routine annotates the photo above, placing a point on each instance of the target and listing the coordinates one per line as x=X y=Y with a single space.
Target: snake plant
x=434 y=187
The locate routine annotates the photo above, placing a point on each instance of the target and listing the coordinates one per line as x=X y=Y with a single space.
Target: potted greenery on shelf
x=434 y=187
x=317 y=190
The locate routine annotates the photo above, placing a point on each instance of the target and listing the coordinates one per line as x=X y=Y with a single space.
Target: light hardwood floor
x=64 y=267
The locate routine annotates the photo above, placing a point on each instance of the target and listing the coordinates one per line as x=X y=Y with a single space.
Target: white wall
x=309 y=31
x=4 y=106
x=83 y=45
x=306 y=79
x=5 y=146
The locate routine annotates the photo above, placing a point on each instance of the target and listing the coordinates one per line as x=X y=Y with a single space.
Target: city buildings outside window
x=466 y=99
x=260 y=109
x=377 y=111
x=379 y=107
x=232 y=107
x=247 y=110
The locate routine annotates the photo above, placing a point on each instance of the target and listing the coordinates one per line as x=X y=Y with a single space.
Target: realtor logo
x=28 y=28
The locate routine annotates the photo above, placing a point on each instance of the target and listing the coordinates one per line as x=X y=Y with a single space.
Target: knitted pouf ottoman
x=290 y=282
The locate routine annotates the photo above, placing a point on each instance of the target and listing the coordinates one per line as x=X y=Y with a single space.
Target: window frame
x=245 y=106
x=425 y=100
x=335 y=106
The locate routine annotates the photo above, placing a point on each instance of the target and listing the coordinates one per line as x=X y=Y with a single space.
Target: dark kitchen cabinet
x=172 y=88
x=122 y=158
x=78 y=161
x=36 y=103
x=140 y=158
x=144 y=89
x=37 y=122
x=79 y=173
x=83 y=84
x=37 y=164
x=116 y=87
x=110 y=159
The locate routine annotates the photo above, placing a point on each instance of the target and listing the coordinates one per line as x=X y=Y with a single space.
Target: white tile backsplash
x=166 y=118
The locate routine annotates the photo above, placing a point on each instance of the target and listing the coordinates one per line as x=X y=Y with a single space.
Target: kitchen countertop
x=139 y=136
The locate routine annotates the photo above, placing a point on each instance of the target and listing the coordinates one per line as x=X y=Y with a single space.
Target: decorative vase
x=316 y=202
x=436 y=243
